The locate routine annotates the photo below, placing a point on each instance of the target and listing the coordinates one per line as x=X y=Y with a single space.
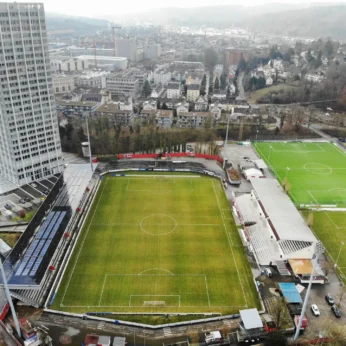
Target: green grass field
x=158 y=244
x=330 y=228
x=316 y=172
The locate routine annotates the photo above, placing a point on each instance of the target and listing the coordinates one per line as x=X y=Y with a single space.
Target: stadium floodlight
x=287 y=169
x=9 y=299
x=270 y=151
x=318 y=250
x=228 y=116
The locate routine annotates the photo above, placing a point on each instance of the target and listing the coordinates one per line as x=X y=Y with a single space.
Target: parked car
x=22 y=200
x=8 y=206
x=336 y=311
x=329 y=299
x=315 y=310
x=33 y=185
x=27 y=199
x=46 y=192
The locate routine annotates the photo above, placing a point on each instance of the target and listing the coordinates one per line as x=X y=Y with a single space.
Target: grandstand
x=30 y=266
x=156 y=164
x=273 y=226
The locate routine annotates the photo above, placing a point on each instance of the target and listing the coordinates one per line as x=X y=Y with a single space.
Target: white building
x=269 y=81
x=104 y=62
x=192 y=92
x=149 y=105
x=182 y=108
x=201 y=105
x=29 y=134
x=123 y=84
x=62 y=83
x=91 y=79
x=157 y=91
x=68 y=64
x=162 y=75
x=126 y=48
x=152 y=51
x=173 y=90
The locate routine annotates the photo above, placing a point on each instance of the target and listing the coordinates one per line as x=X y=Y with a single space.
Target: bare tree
x=341 y=295
x=278 y=311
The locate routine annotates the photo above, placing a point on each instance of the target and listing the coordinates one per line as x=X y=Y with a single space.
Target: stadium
x=142 y=237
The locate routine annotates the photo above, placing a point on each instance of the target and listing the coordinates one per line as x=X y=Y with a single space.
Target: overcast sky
x=109 y=7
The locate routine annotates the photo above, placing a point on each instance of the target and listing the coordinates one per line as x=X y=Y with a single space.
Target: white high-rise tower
x=29 y=134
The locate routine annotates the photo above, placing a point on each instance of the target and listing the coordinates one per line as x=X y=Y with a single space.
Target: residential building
x=164 y=117
x=173 y=90
x=162 y=75
x=115 y=114
x=194 y=119
x=215 y=110
x=62 y=83
x=149 y=105
x=29 y=134
x=126 y=48
x=140 y=75
x=157 y=91
x=123 y=84
x=269 y=81
x=76 y=107
x=91 y=78
x=234 y=55
x=182 y=108
x=97 y=95
x=201 y=105
x=152 y=51
x=192 y=92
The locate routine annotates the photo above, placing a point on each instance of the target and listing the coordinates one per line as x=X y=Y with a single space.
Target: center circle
x=158 y=224
x=318 y=168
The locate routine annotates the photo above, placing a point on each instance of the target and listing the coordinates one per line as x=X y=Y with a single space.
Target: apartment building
x=123 y=84
x=29 y=134
x=173 y=90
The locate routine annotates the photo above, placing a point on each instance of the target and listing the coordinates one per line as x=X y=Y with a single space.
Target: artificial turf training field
x=158 y=244
x=330 y=228
x=316 y=172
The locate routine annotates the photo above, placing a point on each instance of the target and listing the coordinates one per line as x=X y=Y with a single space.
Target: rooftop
x=175 y=86
x=193 y=87
x=251 y=318
x=286 y=219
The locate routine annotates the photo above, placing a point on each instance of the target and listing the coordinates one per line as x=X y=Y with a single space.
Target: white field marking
x=172 y=230
x=229 y=242
x=183 y=306
x=154 y=295
x=224 y=216
x=313 y=197
x=331 y=220
x=321 y=148
x=140 y=274
x=334 y=188
x=103 y=287
x=127 y=186
x=206 y=285
x=311 y=170
x=169 y=272
x=86 y=234
x=338 y=149
x=137 y=224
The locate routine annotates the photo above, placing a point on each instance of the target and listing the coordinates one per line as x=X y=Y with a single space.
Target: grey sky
x=109 y=7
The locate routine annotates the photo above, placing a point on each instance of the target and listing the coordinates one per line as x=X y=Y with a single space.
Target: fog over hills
x=306 y=20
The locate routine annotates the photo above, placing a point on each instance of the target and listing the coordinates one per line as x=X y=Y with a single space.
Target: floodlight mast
x=317 y=251
x=9 y=299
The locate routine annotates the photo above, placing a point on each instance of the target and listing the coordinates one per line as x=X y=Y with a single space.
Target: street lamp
x=257 y=134
x=337 y=259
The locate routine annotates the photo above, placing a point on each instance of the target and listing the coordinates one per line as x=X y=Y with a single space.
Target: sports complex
x=158 y=243
x=316 y=176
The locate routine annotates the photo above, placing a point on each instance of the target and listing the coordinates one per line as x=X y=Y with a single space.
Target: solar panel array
x=38 y=248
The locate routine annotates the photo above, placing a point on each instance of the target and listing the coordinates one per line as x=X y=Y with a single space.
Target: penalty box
x=155 y=290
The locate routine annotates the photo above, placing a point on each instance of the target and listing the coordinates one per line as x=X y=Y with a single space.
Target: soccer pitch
x=158 y=244
x=330 y=228
x=316 y=172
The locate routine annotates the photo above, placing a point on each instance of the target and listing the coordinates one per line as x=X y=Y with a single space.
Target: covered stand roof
x=286 y=219
x=251 y=319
